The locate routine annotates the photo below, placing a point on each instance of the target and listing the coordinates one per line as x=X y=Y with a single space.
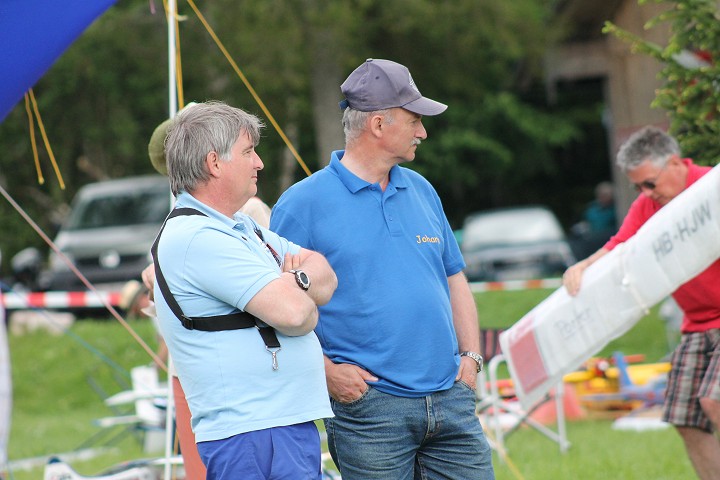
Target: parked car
x=109 y=232
x=519 y=243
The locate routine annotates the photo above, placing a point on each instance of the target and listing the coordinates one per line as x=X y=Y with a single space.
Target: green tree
x=691 y=92
x=100 y=102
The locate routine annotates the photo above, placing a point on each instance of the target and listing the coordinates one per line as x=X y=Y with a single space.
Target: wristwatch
x=302 y=279
x=475 y=356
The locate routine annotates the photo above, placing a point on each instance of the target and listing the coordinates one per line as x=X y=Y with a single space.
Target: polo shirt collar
x=185 y=199
x=354 y=183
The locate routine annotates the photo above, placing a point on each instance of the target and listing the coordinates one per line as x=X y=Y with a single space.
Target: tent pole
x=172 y=110
x=172 y=58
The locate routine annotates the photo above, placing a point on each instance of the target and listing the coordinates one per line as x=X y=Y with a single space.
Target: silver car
x=520 y=243
x=109 y=232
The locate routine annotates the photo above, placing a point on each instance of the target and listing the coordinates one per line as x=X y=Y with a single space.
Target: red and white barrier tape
x=26 y=300
x=479 y=287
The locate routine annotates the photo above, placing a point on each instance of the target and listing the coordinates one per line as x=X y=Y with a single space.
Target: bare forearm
x=304 y=324
x=465 y=318
x=322 y=278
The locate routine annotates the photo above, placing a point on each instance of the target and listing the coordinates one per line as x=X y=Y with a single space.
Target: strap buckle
x=187 y=322
x=273 y=352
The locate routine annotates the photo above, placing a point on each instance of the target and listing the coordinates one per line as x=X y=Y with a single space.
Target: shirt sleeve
x=640 y=210
x=229 y=271
x=289 y=227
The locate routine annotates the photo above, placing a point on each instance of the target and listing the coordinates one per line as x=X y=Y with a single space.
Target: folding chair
x=504 y=415
x=148 y=418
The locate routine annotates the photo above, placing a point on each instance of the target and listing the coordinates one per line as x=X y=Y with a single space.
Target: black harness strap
x=231 y=321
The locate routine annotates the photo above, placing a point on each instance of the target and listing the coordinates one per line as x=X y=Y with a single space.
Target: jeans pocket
x=466 y=386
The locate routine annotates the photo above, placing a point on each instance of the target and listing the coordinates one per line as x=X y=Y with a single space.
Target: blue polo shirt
x=392 y=252
x=214 y=265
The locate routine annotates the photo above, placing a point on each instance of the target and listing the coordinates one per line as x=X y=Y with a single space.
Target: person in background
x=600 y=213
x=258 y=210
x=133 y=299
x=598 y=224
x=400 y=335
x=237 y=305
x=652 y=161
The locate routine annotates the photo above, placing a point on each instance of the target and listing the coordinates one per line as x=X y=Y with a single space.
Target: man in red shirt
x=651 y=160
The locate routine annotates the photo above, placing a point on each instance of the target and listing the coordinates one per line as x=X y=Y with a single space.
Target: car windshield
x=121 y=209
x=510 y=227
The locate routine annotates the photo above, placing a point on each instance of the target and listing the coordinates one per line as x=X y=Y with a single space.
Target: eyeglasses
x=649 y=184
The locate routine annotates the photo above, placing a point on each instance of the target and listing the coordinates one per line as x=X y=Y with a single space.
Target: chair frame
x=492 y=405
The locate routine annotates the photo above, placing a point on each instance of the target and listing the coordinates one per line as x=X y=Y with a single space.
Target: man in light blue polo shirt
x=254 y=393
x=400 y=335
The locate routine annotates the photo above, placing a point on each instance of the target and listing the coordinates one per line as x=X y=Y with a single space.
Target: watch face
x=302 y=279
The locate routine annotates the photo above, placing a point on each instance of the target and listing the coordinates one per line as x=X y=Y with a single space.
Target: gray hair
x=354 y=122
x=198 y=130
x=647 y=144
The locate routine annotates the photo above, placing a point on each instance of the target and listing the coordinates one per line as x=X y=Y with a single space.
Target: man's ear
x=675 y=159
x=212 y=163
x=376 y=125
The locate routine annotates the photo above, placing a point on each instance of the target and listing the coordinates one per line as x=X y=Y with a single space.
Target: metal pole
x=172 y=60
x=172 y=110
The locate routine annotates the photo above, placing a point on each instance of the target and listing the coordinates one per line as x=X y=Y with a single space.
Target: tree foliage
x=691 y=73
x=101 y=101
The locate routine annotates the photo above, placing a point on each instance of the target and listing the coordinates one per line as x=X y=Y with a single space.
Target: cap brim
x=425 y=106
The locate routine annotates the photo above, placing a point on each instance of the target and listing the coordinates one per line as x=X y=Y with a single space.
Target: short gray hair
x=198 y=130
x=355 y=121
x=647 y=144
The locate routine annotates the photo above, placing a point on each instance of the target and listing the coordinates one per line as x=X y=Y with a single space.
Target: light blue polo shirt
x=392 y=252
x=214 y=265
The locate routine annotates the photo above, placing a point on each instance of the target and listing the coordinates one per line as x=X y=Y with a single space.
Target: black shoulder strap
x=231 y=321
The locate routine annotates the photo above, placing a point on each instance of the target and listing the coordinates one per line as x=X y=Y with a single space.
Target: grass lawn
x=55 y=403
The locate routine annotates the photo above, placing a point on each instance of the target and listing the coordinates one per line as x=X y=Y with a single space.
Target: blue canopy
x=33 y=34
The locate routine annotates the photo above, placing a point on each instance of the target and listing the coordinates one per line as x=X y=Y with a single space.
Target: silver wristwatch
x=302 y=279
x=475 y=356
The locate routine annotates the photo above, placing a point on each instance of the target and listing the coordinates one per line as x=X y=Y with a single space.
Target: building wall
x=631 y=79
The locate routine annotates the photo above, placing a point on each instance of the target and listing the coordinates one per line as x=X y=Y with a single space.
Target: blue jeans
x=382 y=436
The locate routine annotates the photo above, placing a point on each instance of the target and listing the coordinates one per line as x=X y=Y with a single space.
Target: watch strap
x=476 y=357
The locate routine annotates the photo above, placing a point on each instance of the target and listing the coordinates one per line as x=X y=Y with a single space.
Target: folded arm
x=287 y=307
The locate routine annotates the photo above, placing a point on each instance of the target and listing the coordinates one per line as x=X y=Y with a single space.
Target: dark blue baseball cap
x=380 y=84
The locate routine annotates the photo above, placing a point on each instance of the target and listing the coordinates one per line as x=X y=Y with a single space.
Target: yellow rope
x=82 y=278
x=45 y=139
x=504 y=456
x=33 y=142
x=249 y=87
x=178 y=65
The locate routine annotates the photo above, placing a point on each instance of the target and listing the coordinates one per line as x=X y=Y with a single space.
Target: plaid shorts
x=695 y=374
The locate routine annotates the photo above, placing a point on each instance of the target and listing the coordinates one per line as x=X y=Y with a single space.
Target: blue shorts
x=288 y=453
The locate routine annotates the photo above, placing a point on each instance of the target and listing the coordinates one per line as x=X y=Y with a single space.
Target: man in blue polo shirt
x=237 y=305
x=400 y=335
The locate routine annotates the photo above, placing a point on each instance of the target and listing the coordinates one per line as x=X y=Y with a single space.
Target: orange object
x=194 y=467
x=547 y=412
